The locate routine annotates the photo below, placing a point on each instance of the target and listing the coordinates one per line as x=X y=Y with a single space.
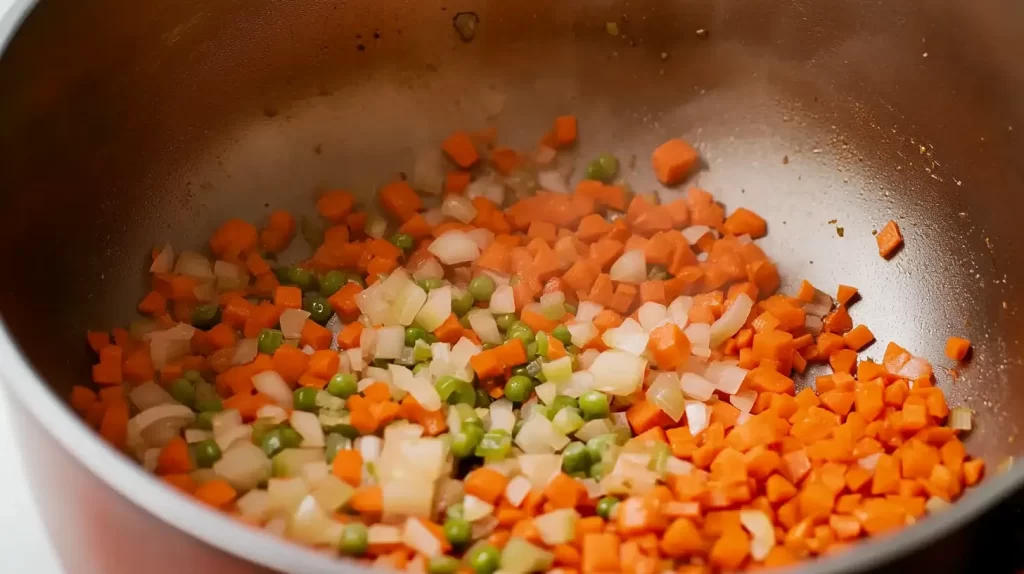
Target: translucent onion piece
x=552 y=180
x=229 y=276
x=557 y=526
x=474 y=509
x=416 y=536
x=579 y=383
x=558 y=371
x=631 y=267
x=485 y=326
x=538 y=436
x=482 y=237
x=693 y=233
x=581 y=333
x=651 y=314
x=307 y=425
x=458 y=207
x=408 y=303
x=245 y=352
x=539 y=469
x=679 y=310
x=407 y=497
x=744 y=400
x=586 y=311
x=164 y=261
x=617 y=372
x=594 y=429
x=436 y=309
x=520 y=557
x=516 y=490
x=587 y=358
x=273 y=385
x=454 y=247
x=502 y=416
x=731 y=321
x=546 y=392
x=628 y=340
x=421 y=389
x=149 y=395
x=331 y=493
x=552 y=305
x=961 y=418
x=244 y=466
x=699 y=335
x=254 y=505
x=503 y=301
x=194 y=265
x=390 y=343
x=272 y=413
x=665 y=393
x=697 y=416
x=915 y=368
x=384 y=534
x=762 y=532
x=488 y=187
x=697 y=387
x=428 y=269
x=376 y=227
x=292 y=321
x=727 y=378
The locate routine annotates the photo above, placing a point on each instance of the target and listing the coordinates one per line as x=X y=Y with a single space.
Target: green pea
x=429 y=285
x=183 y=391
x=518 y=389
x=290 y=437
x=269 y=341
x=562 y=333
x=272 y=443
x=301 y=278
x=205 y=316
x=600 y=445
x=522 y=371
x=575 y=458
x=521 y=331
x=305 y=398
x=494 y=445
x=207 y=399
x=483 y=400
x=531 y=351
x=331 y=281
x=403 y=241
x=604 y=168
x=204 y=420
x=194 y=376
x=462 y=303
x=354 y=539
x=606 y=506
x=483 y=559
x=481 y=287
x=260 y=428
x=318 y=308
x=413 y=334
x=562 y=402
x=505 y=321
x=594 y=405
x=456 y=510
x=457 y=531
x=206 y=453
x=343 y=385
x=464 y=442
x=443 y=564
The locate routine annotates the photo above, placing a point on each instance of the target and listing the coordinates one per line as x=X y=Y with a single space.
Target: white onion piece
x=539 y=469
x=503 y=300
x=697 y=387
x=224 y=421
x=428 y=171
x=193 y=436
x=407 y=497
x=762 y=532
x=675 y=465
x=245 y=352
x=581 y=333
x=394 y=284
x=428 y=269
x=960 y=418
x=408 y=303
x=231 y=436
x=935 y=504
x=454 y=247
x=149 y=395
x=474 y=509
x=726 y=378
x=310 y=525
x=539 y=436
x=580 y=382
x=484 y=325
x=651 y=314
x=915 y=368
x=331 y=493
x=552 y=305
x=679 y=310
x=699 y=335
x=502 y=417
x=595 y=428
x=272 y=384
x=416 y=536
x=697 y=416
x=244 y=466
x=376 y=226
x=543 y=156
x=617 y=372
x=193 y=264
x=229 y=276
x=693 y=233
x=516 y=490
x=307 y=425
x=731 y=321
x=482 y=237
x=372 y=303
x=433 y=216
x=744 y=400
x=383 y=534
x=164 y=261
x=546 y=392
x=552 y=180
x=436 y=309
x=665 y=393
x=586 y=311
x=462 y=352
x=420 y=388
x=488 y=187
x=272 y=413
x=170 y=344
x=390 y=343
x=458 y=207
x=587 y=358
x=557 y=526
x=631 y=267
x=628 y=340
x=205 y=292
x=292 y=321
x=254 y=505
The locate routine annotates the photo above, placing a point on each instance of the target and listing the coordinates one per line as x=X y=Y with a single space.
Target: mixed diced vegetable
x=525 y=378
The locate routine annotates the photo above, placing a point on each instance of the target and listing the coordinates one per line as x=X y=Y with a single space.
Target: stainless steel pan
x=126 y=124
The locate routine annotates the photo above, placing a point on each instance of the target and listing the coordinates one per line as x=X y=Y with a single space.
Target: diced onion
x=428 y=268
x=699 y=335
x=693 y=233
x=697 y=387
x=245 y=352
x=373 y=304
x=307 y=425
x=376 y=226
x=436 y=310
x=552 y=305
x=726 y=378
x=331 y=493
x=629 y=340
x=488 y=187
x=272 y=413
x=458 y=207
x=454 y=247
x=204 y=292
x=254 y=505
x=961 y=418
x=696 y=416
x=935 y=504
x=679 y=310
x=420 y=388
x=579 y=383
x=557 y=526
x=244 y=466
x=292 y=321
x=482 y=237
x=731 y=321
x=546 y=392
x=383 y=534
x=539 y=469
x=631 y=267
x=474 y=509
x=744 y=400
x=149 y=395
x=503 y=300
x=587 y=358
x=567 y=421
x=587 y=310
x=651 y=314
x=520 y=557
x=502 y=417
x=558 y=371
x=484 y=325
x=273 y=385
x=617 y=372
x=581 y=333
x=552 y=180
x=762 y=532
x=516 y=490
x=915 y=368
x=197 y=435
x=164 y=261
x=538 y=436
x=594 y=429
x=416 y=536
x=170 y=344
x=407 y=497
x=665 y=393
x=193 y=264
x=229 y=276
x=408 y=303
x=390 y=343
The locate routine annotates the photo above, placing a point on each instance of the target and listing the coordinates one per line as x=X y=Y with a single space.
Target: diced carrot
x=889 y=239
x=335 y=205
x=673 y=160
x=565 y=131
x=745 y=222
x=486 y=484
x=460 y=149
x=858 y=337
x=956 y=348
x=217 y=493
x=174 y=457
x=400 y=200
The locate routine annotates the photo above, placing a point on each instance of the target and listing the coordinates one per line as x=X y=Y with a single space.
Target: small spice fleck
x=785 y=160
x=612 y=28
x=832 y=221
x=840 y=231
